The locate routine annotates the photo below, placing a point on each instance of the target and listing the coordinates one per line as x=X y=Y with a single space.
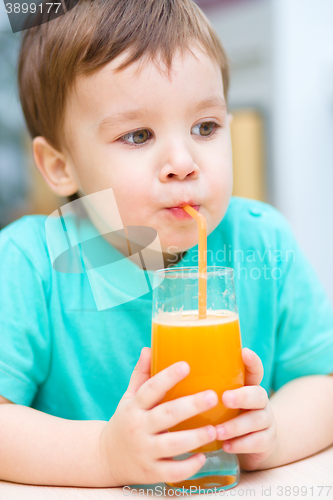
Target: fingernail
x=226 y=446
x=211 y=398
x=250 y=355
x=221 y=432
x=183 y=368
x=211 y=432
x=202 y=458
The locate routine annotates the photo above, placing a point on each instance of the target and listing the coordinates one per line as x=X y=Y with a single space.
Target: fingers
x=171 y=413
x=251 y=421
x=256 y=442
x=174 y=471
x=154 y=389
x=171 y=444
x=252 y=397
x=254 y=370
x=140 y=374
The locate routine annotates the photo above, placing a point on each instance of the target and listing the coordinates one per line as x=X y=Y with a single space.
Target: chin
x=175 y=249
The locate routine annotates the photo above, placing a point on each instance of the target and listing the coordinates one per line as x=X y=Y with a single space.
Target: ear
x=230 y=118
x=54 y=167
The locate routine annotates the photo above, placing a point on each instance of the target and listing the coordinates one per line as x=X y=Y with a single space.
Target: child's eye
x=206 y=129
x=137 y=137
x=140 y=137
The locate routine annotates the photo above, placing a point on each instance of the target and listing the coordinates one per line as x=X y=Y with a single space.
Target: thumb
x=254 y=370
x=140 y=375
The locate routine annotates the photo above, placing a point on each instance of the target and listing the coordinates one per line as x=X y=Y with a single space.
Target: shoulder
x=28 y=223
x=254 y=212
x=255 y=222
x=26 y=237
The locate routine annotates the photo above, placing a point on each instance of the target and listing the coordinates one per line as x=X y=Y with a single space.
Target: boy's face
x=157 y=141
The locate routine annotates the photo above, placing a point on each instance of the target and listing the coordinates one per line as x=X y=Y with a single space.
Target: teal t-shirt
x=69 y=341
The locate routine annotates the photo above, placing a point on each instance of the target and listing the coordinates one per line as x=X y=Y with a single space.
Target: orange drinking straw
x=201 y=221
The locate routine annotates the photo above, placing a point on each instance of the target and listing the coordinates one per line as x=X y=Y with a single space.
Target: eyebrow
x=140 y=113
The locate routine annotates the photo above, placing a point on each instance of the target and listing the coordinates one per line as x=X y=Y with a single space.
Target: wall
x=303 y=125
x=282 y=65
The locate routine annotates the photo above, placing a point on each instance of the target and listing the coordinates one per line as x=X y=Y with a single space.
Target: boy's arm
x=133 y=447
x=37 y=448
x=303 y=410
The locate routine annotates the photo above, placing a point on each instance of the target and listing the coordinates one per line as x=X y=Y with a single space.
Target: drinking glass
x=211 y=346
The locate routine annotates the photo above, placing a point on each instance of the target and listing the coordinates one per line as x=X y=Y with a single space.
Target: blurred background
x=281 y=96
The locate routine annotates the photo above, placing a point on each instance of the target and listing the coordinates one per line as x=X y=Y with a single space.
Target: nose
x=179 y=164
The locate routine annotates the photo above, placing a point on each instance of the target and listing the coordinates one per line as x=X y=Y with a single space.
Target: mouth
x=178 y=213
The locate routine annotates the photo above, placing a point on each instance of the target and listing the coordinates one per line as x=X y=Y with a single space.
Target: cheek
x=225 y=168
x=90 y=172
x=220 y=184
x=131 y=188
x=132 y=199
x=97 y=171
x=220 y=174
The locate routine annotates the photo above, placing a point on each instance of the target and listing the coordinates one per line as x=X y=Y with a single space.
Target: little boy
x=130 y=96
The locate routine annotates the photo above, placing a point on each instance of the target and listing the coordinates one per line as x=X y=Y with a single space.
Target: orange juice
x=212 y=347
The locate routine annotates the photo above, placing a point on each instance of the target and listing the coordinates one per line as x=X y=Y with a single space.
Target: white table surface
x=314 y=474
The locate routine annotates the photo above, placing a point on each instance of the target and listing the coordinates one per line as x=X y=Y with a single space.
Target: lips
x=183 y=203
x=179 y=213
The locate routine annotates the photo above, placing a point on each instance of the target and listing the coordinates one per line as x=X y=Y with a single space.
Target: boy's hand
x=135 y=442
x=253 y=434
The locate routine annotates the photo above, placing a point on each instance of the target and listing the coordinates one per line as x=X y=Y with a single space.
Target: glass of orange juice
x=211 y=346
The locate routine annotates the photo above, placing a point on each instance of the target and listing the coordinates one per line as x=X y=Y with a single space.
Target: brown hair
x=93 y=33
